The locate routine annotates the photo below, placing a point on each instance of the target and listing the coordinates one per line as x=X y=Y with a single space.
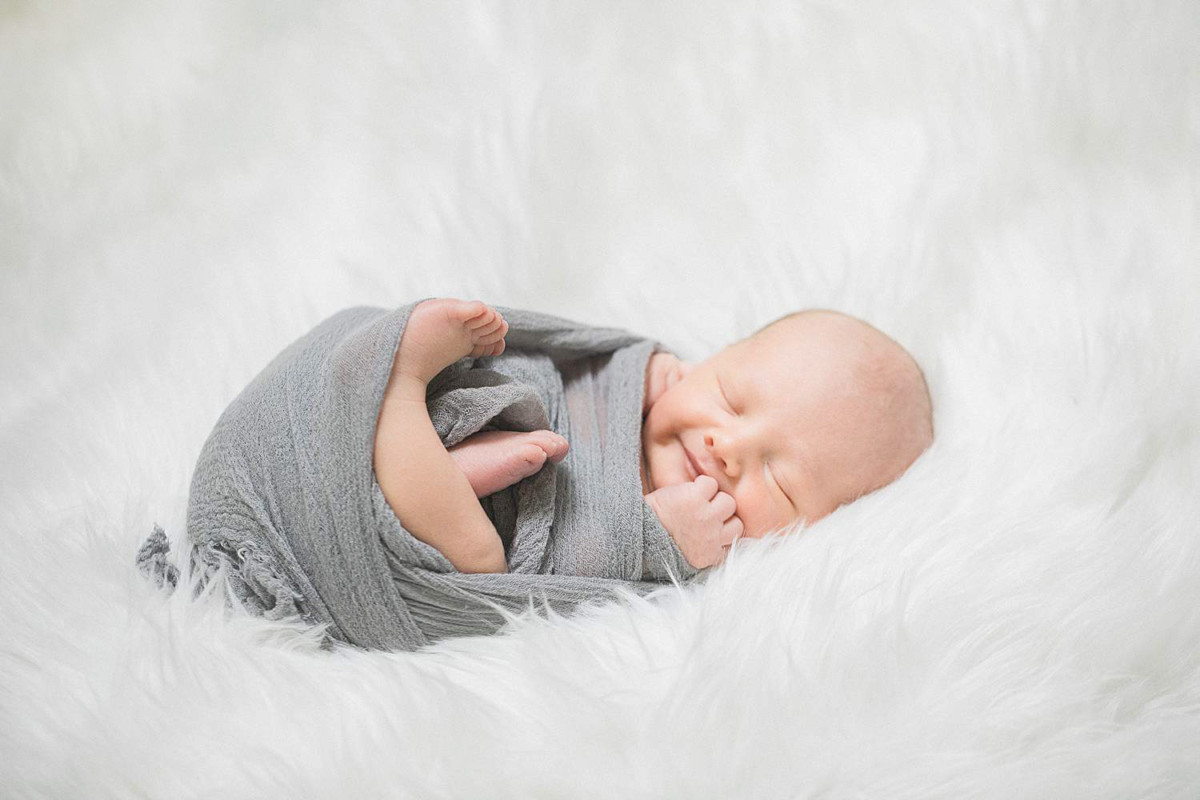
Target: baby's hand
x=699 y=518
x=662 y=372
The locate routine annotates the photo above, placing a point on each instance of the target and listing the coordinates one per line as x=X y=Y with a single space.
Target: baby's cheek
x=755 y=513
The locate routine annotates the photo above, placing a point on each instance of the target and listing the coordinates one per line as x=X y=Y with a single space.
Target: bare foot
x=426 y=489
x=495 y=460
x=438 y=333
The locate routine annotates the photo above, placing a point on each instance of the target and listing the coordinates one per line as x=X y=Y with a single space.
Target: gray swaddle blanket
x=284 y=500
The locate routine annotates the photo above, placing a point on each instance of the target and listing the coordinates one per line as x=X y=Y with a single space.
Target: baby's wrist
x=671 y=526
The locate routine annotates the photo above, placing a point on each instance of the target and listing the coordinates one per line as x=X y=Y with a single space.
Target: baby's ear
x=679 y=371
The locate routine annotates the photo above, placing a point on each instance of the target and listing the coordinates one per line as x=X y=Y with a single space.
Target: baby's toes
x=471 y=313
x=492 y=332
x=554 y=445
x=481 y=316
x=482 y=350
x=533 y=456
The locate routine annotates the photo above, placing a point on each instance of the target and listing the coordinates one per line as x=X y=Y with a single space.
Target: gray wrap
x=284 y=496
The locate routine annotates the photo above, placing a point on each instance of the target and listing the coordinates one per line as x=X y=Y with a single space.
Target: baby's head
x=809 y=413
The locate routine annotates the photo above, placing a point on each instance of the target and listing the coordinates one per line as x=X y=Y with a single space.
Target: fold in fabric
x=285 y=503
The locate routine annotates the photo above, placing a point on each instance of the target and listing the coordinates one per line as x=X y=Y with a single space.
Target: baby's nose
x=722 y=450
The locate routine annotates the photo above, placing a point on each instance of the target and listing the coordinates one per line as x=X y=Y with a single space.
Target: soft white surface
x=1011 y=189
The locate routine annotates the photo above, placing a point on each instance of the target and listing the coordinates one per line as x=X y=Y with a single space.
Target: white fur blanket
x=1010 y=189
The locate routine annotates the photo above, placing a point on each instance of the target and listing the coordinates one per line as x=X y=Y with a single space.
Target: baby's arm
x=423 y=485
x=699 y=518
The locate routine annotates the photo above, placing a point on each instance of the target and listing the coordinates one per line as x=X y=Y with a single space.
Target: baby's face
x=774 y=419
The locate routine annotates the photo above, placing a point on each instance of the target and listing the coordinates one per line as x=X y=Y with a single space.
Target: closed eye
x=725 y=395
x=778 y=484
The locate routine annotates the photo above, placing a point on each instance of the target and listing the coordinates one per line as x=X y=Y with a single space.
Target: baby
x=809 y=413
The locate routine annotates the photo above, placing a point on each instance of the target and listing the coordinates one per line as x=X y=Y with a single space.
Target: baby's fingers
x=730 y=531
x=707 y=486
x=723 y=505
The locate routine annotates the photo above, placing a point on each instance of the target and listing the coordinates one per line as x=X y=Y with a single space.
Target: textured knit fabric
x=284 y=501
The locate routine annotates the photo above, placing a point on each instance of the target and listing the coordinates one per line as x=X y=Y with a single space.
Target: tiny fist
x=706 y=484
x=731 y=530
x=724 y=506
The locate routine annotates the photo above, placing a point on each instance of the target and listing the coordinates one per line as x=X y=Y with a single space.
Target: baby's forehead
x=828 y=326
x=786 y=341
x=812 y=334
x=805 y=354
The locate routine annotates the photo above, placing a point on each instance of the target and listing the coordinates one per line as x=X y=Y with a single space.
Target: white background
x=1010 y=189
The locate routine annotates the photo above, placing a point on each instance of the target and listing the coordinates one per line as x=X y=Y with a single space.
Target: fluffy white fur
x=1010 y=189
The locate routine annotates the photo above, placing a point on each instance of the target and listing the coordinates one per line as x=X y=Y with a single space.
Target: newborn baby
x=809 y=413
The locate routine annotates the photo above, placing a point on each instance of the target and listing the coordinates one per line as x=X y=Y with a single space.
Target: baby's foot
x=495 y=460
x=440 y=332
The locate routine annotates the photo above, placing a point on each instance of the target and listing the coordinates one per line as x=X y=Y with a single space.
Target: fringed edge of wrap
x=252 y=576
